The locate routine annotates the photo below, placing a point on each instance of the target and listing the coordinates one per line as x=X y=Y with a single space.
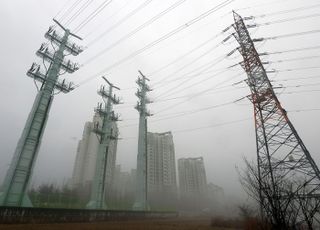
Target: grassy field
x=176 y=224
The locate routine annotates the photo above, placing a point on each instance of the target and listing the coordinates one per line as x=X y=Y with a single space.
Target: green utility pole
x=141 y=185
x=14 y=189
x=105 y=134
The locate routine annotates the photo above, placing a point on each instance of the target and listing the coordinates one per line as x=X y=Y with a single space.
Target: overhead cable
x=69 y=10
x=173 y=89
x=287 y=11
x=166 y=36
x=91 y=16
x=121 y=21
x=136 y=30
x=283 y=20
x=292 y=34
x=78 y=12
x=105 y=19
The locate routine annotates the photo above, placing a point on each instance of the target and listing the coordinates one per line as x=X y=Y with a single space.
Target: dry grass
x=172 y=224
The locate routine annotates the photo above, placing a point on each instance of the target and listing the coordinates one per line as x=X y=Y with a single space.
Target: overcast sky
x=229 y=135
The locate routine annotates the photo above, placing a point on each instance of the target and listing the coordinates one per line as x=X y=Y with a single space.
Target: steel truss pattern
x=288 y=176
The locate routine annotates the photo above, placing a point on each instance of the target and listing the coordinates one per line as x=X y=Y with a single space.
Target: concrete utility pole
x=141 y=190
x=14 y=191
x=105 y=133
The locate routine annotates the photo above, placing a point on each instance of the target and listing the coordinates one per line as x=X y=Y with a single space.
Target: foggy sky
x=23 y=24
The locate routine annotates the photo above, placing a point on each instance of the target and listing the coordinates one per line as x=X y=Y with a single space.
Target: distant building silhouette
x=192 y=183
x=84 y=167
x=216 y=200
x=123 y=189
x=161 y=171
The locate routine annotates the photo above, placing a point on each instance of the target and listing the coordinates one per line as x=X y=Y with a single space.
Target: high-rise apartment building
x=161 y=170
x=84 y=167
x=192 y=182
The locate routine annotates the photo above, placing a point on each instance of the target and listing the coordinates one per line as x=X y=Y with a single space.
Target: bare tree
x=280 y=205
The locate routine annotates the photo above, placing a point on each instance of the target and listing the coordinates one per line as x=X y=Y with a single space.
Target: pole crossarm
x=35 y=73
x=44 y=52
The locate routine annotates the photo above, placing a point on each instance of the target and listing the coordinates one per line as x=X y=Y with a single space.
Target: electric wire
x=207 y=66
x=204 y=92
x=173 y=89
x=224 y=123
x=297 y=79
x=201 y=127
x=283 y=61
x=261 y=5
x=166 y=36
x=121 y=21
x=194 y=95
x=62 y=9
x=287 y=11
x=302 y=91
x=106 y=19
x=294 y=59
x=78 y=12
x=69 y=10
x=290 y=50
x=304 y=110
x=187 y=112
x=188 y=75
x=91 y=16
x=285 y=20
x=292 y=34
x=192 y=61
x=136 y=30
x=211 y=126
x=181 y=37
x=184 y=55
x=292 y=69
x=214 y=88
x=232 y=122
x=243 y=87
x=302 y=85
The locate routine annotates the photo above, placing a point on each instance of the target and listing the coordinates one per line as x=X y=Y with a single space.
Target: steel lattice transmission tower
x=280 y=150
x=14 y=192
x=105 y=134
x=141 y=185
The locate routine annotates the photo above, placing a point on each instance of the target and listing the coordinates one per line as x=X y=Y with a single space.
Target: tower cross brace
x=281 y=154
